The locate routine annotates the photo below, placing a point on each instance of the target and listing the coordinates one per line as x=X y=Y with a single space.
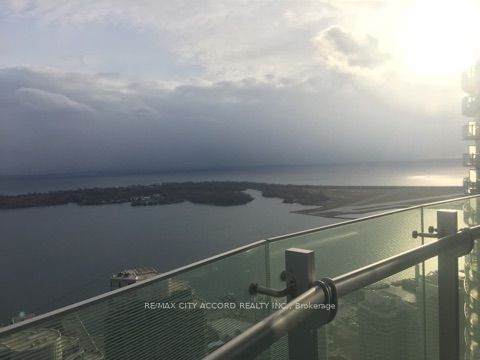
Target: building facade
x=471 y=159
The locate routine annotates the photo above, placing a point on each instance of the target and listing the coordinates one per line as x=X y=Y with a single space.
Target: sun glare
x=439 y=38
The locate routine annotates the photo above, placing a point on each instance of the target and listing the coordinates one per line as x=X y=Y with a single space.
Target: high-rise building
x=471 y=132
x=32 y=344
x=45 y=344
x=164 y=328
x=389 y=324
x=131 y=276
x=472 y=306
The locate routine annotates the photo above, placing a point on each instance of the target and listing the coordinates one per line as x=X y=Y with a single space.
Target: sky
x=123 y=85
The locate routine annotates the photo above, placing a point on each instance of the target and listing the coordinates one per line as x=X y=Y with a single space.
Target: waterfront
x=58 y=255
x=419 y=173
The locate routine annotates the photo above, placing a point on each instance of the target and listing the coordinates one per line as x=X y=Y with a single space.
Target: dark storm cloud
x=55 y=121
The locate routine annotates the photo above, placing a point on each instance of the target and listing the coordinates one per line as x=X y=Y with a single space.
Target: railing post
x=448 y=313
x=300 y=272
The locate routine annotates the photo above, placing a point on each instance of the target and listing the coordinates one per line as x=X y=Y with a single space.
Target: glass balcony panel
x=383 y=321
x=472 y=174
x=161 y=320
x=470 y=106
x=345 y=247
x=468 y=215
x=122 y=326
x=469 y=187
x=340 y=249
x=471 y=132
x=471 y=159
x=471 y=81
x=277 y=351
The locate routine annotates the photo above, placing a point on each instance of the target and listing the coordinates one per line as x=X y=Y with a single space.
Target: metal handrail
x=261 y=335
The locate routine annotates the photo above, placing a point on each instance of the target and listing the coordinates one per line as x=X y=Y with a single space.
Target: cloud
x=341 y=49
x=38 y=99
x=243 y=84
x=250 y=122
x=226 y=41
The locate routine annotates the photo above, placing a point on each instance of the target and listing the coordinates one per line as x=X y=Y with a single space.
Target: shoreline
x=328 y=200
x=370 y=200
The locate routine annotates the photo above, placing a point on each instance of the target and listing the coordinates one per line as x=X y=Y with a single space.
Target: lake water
x=54 y=256
x=428 y=173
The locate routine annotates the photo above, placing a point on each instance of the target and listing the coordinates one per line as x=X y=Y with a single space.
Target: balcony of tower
x=471 y=106
x=471 y=79
x=471 y=160
x=471 y=131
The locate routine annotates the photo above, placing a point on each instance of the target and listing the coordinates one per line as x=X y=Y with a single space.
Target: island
x=327 y=200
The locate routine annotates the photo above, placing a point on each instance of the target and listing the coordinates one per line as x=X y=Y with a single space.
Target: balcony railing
x=471 y=160
x=471 y=81
x=471 y=132
x=470 y=187
x=470 y=106
x=191 y=312
x=301 y=314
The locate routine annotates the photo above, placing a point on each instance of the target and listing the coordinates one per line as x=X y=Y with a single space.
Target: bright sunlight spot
x=439 y=38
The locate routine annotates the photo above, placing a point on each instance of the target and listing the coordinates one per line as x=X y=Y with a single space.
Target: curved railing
x=315 y=304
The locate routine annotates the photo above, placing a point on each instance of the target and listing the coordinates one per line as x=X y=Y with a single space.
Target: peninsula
x=230 y=193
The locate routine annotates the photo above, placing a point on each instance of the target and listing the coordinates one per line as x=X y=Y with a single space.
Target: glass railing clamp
x=258 y=289
x=432 y=233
